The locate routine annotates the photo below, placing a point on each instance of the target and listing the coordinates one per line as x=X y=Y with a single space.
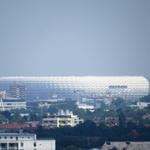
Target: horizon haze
x=58 y=38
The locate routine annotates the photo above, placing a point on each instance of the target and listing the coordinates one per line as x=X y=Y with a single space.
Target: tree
x=121 y=118
x=146 y=98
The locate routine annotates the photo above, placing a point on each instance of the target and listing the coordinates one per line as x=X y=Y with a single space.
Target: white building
x=61 y=119
x=3 y=94
x=85 y=106
x=128 y=87
x=24 y=141
x=12 y=103
x=48 y=102
x=141 y=105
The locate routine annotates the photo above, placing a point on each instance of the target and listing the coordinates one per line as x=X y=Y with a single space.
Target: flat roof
x=16 y=134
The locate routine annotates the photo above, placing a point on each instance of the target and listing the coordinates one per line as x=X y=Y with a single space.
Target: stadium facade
x=34 y=88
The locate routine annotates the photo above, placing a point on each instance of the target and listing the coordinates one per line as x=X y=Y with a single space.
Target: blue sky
x=75 y=37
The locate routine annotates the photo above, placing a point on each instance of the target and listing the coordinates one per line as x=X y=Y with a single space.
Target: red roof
x=147 y=125
x=147 y=115
x=11 y=126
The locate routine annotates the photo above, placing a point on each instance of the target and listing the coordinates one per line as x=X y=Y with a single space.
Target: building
x=17 y=91
x=10 y=103
x=85 y=106
x=140 y=105
x=61 y=119
x=48 y=102
x=37 y=88
x=24 y=141
x=3 y=94
x=126 y=146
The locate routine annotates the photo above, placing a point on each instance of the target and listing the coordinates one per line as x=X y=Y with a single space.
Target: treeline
x=146 y=98
x=88 y=135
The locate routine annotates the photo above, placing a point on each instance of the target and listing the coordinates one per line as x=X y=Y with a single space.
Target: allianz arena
x=34 y=88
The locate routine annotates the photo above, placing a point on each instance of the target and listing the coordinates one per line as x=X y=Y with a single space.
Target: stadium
x=38 y=88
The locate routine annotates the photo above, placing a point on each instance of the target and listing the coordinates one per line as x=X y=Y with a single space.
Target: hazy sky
x=75 y=37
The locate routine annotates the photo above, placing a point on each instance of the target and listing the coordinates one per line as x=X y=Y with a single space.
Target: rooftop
x=126 y=146
x=16 y=134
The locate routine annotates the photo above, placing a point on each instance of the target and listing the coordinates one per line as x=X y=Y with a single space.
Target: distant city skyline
x=57 y=38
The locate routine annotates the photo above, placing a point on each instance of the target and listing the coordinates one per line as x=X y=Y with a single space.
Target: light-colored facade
x=24 y=141
x=3 y=94
x=85 y=106
x=129 y=87
x=12 y=103
x=126 y=145
x=140 y=105
x=61 y=119
x=16 y=90
x=48 y=102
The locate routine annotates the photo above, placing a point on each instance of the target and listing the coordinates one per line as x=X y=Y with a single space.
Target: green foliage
x=145 y=98
x=72 y=147
x=3 y=118
x=118 y=104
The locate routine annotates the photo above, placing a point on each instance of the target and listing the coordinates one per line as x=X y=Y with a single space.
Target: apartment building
x=24 y=141
x=61 y=119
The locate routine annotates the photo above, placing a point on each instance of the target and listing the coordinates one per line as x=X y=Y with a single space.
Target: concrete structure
x=141 y=105
x=12 y=103
x=85 y=106
x=126 y=146
x=35 y=88
x=3 y=94
x=48 y=102
x=17 y=91
x=61 y=119
x=24 y=141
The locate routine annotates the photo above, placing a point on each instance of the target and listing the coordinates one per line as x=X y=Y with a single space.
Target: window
x=21 y=144
x=3 y=145
x=12 y=144
x=34 y=144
